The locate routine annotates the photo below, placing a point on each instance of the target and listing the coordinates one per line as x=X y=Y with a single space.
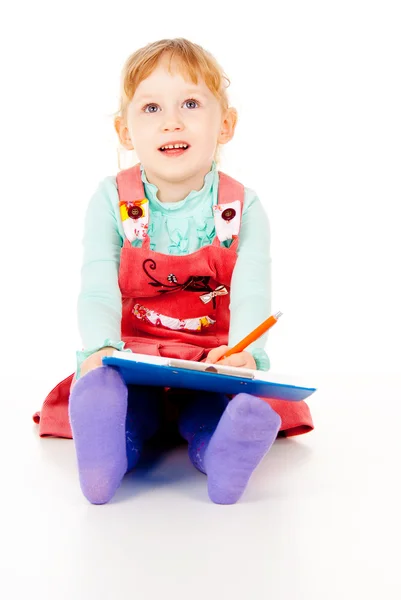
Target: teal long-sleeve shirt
x=174 y=228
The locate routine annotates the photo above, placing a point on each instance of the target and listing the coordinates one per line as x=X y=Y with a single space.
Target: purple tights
x=111 y=422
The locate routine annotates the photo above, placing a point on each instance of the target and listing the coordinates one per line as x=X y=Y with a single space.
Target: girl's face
x=168 y=110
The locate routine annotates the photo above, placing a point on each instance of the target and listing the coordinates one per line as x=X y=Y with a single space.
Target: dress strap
x=229 y=189
x=134 y=207
x=228 y=211
x=130 y=184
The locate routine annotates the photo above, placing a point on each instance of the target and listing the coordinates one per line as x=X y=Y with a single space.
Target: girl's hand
x=241 y=359
x=94 y=361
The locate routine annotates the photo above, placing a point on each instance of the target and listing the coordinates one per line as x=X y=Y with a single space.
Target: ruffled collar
x=194 y=198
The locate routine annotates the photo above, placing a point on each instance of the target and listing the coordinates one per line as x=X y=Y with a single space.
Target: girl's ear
x=123 y=133
x=228 y=124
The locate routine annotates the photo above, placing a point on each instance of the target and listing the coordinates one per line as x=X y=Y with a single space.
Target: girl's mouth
x=174 y=149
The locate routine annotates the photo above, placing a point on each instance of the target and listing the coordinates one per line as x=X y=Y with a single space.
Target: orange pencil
x=254 y=335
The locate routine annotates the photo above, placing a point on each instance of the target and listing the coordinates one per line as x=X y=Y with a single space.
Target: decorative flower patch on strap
x=227 y=220
x=135 y=219
x=155 y=318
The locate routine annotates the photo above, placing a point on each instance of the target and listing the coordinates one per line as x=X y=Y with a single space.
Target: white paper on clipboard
x=212 y=368
x=187 y=364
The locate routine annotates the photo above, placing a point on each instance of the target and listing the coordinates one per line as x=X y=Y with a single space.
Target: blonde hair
x=192 y=61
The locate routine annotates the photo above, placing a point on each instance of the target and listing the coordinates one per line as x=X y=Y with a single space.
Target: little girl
x=176 y=263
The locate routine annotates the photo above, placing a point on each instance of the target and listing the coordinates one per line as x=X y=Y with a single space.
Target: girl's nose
x=172 y=122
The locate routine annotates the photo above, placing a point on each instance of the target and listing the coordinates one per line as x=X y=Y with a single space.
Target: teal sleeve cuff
x=261 y=359
x=84 y=354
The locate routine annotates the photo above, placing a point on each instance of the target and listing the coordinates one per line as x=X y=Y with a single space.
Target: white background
x=317 y=87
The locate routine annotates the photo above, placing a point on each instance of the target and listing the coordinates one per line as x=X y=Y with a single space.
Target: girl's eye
x=191 y=103
x=152 y=108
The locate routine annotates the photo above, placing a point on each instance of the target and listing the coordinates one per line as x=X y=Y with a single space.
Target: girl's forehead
x=164 y=79
x=176 y=66
x=163 y=72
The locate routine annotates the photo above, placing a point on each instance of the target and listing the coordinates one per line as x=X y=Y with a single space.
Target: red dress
x=175 y=306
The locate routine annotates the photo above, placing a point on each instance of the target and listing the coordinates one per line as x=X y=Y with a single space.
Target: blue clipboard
x=139 y=369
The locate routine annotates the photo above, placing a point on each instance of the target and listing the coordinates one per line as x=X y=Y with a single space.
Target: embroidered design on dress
x=155 y=318
x=227 y=220
x=221 y=290
x=195 y=283
x=135 y=218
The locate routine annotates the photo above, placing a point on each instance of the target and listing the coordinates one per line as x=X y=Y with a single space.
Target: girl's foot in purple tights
x=98 y=411
x=244 y=434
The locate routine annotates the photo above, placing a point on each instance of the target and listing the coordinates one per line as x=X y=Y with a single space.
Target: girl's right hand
x=94 y=361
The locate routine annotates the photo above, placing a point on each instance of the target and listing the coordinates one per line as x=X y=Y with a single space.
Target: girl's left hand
x=241 y=359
